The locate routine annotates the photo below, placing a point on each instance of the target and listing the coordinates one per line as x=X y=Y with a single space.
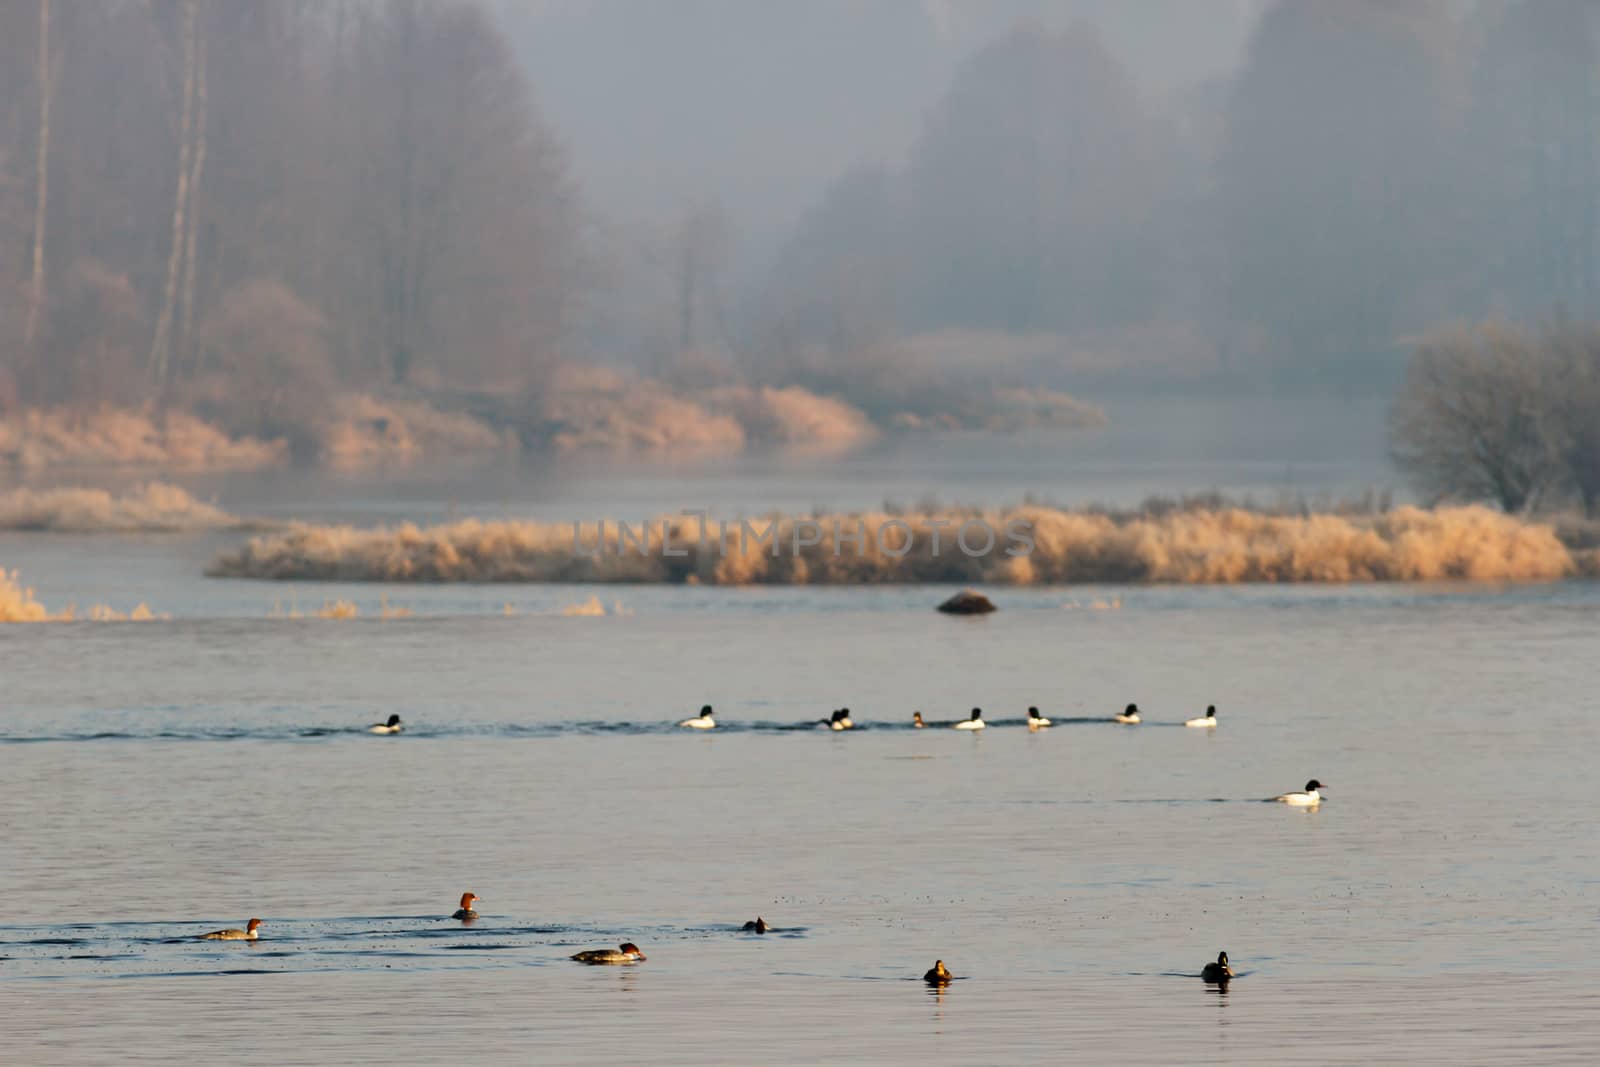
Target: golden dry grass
x=1225 y=545
x=155 y=507
x=18 y=604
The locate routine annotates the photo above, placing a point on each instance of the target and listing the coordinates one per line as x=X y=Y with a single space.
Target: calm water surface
x=162 y=779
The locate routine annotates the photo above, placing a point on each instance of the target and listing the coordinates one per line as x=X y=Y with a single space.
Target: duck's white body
x=971 y=724
x=379 y=728
x=1301 y=799
x=701 y=722
x=1036 y=721
x=1203 y=721
x=1132 y=720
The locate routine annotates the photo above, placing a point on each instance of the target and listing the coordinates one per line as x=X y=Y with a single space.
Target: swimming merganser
x=844 y=720
x=916 y=720
x=465 y=911
x=1036 y=720
x=1219 y=971
x=391 y=727
x=1208 y=719
x=939 y=975
x=836 y=721
x=758 y=927
x=974 y=723
x=1310 y=796
x=1130 y=714
x=247 y=934
x=628 y=952
x=703 y=721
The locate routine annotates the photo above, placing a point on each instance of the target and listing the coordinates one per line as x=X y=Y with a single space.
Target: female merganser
x=391 y=727
x=703 y=721
x=758 y=927
x=1219 y=971
x=1310 y=796
x=1208 y=719
x=1036 y=720
x=465 y=911
x=916 y=720
x=627 y=953
x=974 y=723
x=247 y=934
x=1130 y=714
x=939 y=975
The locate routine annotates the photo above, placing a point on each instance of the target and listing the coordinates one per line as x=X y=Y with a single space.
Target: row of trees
x=1374 y=167
x=1503 y=413
x=191 y=191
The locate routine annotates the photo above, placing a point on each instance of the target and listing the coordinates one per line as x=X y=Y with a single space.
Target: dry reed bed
x=1226 y=545
x=17 y=604
x=151 y=508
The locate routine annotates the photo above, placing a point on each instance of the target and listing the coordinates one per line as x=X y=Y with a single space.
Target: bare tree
x=161 y=344
x=42 y=189
x=1575 y=352
x=196 y=170
x=1476 y=418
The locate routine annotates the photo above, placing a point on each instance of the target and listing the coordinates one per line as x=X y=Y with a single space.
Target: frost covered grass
x=120 y=437
x=151 y=508
x=18 y=604
x=1177 y=546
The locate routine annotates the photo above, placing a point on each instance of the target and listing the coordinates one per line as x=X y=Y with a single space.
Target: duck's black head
x=1313 y=785
x=1131 y=709
x=977 y=713
x=394 y=720
x=1033 y=713
x=838 y=714
x=1211 y=711
x=1222 y=958
x=705 y=711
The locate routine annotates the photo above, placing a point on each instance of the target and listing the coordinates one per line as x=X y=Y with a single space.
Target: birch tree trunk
x=42 y=192
x=161 y=346
x=185 y=331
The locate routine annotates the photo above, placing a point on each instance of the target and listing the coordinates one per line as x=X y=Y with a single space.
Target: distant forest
x=245 y=209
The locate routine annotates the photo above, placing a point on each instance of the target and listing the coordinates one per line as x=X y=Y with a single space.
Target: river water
x=161 y=779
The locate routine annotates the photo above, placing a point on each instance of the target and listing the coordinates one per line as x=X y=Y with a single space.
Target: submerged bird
x=1130 y=714
x=1036 y=720
x=1208 y=719
x=974 y=723
x=391 y=727
x=916 y=720
x=703 y=721
x=758 y=927
x=1219 y=971
x=628 y=952
x=247 y=934
x=939 y=975
x=465 y=911
x=1310 y=796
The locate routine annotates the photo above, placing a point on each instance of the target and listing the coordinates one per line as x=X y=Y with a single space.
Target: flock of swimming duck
x=1216 y=973
x=840 y=720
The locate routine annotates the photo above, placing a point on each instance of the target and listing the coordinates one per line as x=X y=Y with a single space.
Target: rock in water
x=968 y=602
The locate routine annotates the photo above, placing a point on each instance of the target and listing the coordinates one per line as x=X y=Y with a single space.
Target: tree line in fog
x=1372 y=169
x=208 y=201
x=242 y=208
